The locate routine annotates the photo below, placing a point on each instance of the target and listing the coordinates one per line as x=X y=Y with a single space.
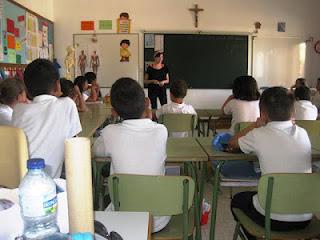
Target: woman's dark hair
x=66 y=87
x=10 y=90
x=80 y=81
x=245 y=88
x=127 y=98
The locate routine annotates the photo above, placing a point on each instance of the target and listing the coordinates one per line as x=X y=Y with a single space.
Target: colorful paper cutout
x=87 y=25
x=105 y=24
x=12 y=56
x=10 y=25
x=17 y=32
x=18 y=45
x=21 y=18
x=18 y=59
x=11 y=42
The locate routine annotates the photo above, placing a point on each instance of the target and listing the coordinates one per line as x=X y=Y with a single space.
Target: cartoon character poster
x=125 y=53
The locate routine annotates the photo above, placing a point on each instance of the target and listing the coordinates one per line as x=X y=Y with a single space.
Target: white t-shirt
x=5 y=114
x=47 y=122
x=316 y=99
x=305 y=110
x=281 y=147
x=136 y=147
x=242 y=111
x=176 y=108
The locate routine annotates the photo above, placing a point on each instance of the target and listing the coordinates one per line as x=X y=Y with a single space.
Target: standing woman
x=157 y=77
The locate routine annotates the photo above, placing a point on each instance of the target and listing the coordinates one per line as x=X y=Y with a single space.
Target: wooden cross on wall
x=196 y=10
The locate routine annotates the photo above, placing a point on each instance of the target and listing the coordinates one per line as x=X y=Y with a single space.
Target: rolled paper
x=79 y=184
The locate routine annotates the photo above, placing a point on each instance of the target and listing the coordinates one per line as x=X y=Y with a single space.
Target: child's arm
x=234 y=141
x=226 y=102
x=147 y=111
x=81 y=105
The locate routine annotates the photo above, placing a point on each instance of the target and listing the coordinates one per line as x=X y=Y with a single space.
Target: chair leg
x=236 y=231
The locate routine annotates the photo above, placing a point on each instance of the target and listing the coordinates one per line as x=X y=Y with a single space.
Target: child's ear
x=114 y=113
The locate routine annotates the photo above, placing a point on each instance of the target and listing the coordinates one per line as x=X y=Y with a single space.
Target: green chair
x=179 y=122
x=159 y=195
x=284 y=193
x=313 y=129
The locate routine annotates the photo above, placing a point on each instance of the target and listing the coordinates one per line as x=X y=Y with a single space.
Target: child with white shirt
x=281 y=147
x=82 y=83
x=304 y=109
x=137 y=145
x=47 y=121
x=243 y=104
x=12 y=92
x=178 y=91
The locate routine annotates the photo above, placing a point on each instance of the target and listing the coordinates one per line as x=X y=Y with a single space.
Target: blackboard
x=204 y=61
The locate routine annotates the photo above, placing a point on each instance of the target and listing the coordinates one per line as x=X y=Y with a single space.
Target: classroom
x=238 y=137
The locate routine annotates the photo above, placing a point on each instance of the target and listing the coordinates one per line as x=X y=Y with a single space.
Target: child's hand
x=77 y=90
x=260 y=122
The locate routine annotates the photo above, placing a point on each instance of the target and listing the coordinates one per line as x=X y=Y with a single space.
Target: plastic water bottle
x=38 y=202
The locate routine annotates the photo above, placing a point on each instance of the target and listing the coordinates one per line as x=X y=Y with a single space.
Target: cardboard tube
x=79 y=184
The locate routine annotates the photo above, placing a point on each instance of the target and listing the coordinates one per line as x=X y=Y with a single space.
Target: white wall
x=301 y=16
x=41 y=7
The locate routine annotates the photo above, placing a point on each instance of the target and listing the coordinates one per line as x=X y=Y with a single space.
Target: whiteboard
x=107 y=47
x=278 y=61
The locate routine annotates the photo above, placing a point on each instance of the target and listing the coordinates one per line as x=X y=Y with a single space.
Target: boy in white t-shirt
x=137 y=145
x=281 y=147
x=178 y=91
x=47 y=121
x=304 y=109
x=316 y=98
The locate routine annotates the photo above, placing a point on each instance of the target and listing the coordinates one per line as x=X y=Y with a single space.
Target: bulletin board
x=108 y=48
x=25 y=35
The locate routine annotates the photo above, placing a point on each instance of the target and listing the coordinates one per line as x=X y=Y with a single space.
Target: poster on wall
x=32 y=37
x=88 y=58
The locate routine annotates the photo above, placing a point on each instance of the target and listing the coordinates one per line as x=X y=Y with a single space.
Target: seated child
x=300 y=82
x=82 y=83
x=304 y=109
x=281 y=147
x=47 y=121
x=12 y=91
x=243 y=104
x=136 y=145
x=70 y=90
x=94 y=91
x=178 y=91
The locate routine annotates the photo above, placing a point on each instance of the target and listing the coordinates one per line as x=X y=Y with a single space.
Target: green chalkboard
x=205 y=61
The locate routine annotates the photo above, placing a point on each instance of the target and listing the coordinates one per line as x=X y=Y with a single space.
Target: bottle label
x=35 y=206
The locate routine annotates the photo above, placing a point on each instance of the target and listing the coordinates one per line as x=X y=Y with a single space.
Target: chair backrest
x=242 y=125
x=159 y=195
x=179 y=122
x=13 y=156
x=313 y=129
x=290 y=193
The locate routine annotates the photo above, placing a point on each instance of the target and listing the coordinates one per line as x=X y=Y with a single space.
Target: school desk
x=222 y=157
x=92 y=119
x=130 y=225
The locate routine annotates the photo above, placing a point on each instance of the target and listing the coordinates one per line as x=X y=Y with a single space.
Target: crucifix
x=196 y=10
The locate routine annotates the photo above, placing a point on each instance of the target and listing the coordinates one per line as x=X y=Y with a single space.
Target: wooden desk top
x=184 y=149
x=130 y=225
x=93 y=118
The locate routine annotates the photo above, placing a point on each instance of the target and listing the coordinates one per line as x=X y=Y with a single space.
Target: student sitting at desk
x=82 y=83
x=137 y=145
x=47 y=121
x=178 y=91
x=70 y=90
x=243 y=104
x=12 y=92
x=94 y=88
x=303 y=107
x=281 y=147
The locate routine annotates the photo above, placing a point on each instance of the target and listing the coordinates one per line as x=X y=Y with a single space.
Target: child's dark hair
x=179 y=88
x=90 y=76
x=301 y=81
x=40 y=77
x=125 y=41
x=302 y=93
x=10 y=90
x=80 y=81
x=278 y=102
x=127 y=98
x=245 y=88
x=66 y=87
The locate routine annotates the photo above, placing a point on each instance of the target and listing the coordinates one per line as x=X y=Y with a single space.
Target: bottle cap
x=81 y=236
x=35 y=163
